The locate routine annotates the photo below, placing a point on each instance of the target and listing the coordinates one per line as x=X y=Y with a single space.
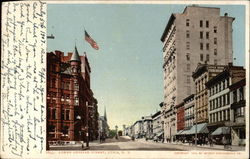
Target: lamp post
x=87 y=124
x=195 y=139
x=78 y=117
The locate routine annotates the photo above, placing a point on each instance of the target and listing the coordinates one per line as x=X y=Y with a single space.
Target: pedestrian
x=224 y=141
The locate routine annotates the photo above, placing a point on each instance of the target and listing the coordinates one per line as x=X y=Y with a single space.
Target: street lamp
x=78 y=118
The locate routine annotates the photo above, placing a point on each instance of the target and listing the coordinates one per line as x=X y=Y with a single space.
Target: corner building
x=68 y=97
x=198 y=35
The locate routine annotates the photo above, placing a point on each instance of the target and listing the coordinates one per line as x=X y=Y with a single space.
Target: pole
x=195 y=139
x=87 y=125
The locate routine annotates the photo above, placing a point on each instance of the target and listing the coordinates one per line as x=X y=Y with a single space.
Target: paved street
x=125 y=143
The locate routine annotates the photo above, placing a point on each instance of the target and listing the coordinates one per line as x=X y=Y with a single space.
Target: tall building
x=103 y=125
x=198 y=35
x=68 y=96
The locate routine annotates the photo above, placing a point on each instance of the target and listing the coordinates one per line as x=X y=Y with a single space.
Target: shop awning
x=184 y=132
x=221 y=131
x=159 y=134
x=179 y=132
x=201 y=128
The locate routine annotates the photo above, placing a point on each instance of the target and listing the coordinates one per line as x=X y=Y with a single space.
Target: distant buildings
x=198 y=35
x=71 y=108
x=157 y=126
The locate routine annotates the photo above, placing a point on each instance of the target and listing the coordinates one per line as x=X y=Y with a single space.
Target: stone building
x=226 y=90
x=137 y=129
x=238 y=108
x=147 y=127
x=68 y=96
x=189 y=112
x=157 y=125
x=198 y=35
x=202 y=74
x=103 y=125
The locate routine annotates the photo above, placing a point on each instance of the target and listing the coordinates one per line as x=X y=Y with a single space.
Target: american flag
x=91 y=41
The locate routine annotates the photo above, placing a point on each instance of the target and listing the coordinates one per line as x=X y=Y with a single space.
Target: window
x=207 y=46
x=48 y=114
x=228 y=114
x=188 y=67
x=188 y=79
x=207 y=24
x=215 y=51
x=187 y=34
x=242 y=133
x=76 y=102
x=201 y=35
x=65 y=130
x=220 y=116
x=201 y=57
x=201 y=23
x=215 y=29
x=207 y=35
x=76 y=86
x=67 y=115
x=201 y=46
x=187 y=22
x=224 y=115
x=235 y=96
x=188 y=45
x=53 y=113
x=215 y=41
x=207 y=59
x=188 y=56
x=241 y=91
x=215 y=61
x=53 y=83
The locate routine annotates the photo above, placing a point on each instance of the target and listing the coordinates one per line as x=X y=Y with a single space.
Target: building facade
x=137 y=129
x=198 y=35
x=202 y=74
x=157 y=125
x=147 y=127
x=238 y=108
x=189 y=111
x=68 y=96
x=221 y=113
x=180 y=116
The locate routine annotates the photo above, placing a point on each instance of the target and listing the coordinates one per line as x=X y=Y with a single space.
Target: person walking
x=224 y=141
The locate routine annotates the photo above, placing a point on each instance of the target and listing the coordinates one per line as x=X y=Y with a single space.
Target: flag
x=91 y=41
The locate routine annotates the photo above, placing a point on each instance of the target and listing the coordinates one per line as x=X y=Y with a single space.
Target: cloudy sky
x=127 y=75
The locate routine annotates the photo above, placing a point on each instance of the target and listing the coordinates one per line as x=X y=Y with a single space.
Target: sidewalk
x=187 y=147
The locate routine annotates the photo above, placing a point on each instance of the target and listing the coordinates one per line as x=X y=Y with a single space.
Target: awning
x=201 y=128
x=184 y=132
x=159 y=134
x=221 y=131
x=179 y=132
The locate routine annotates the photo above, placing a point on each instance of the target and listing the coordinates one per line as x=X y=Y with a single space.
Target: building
x=238 y=111
x=180 y=117
x=137 y=129
x=147 y=127
x=198 y=35
x=103 y=125
x=68 y=97
x=226 y=89
x=157 y=125
x=202 y=74
x=93 y=120
x=189 y=111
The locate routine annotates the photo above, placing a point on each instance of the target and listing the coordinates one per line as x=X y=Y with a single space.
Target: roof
x=156 y=114
x=170 y=22
x=75 y=56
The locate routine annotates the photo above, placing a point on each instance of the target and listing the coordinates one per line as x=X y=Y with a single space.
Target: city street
x=125 y=143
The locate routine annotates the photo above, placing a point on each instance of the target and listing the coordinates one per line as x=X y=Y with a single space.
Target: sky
x=126 y=72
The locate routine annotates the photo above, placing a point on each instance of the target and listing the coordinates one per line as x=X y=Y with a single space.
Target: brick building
x=69 y=97
x=180 y=116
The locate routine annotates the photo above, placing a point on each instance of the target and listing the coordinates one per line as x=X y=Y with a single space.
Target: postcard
x=125 y=79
